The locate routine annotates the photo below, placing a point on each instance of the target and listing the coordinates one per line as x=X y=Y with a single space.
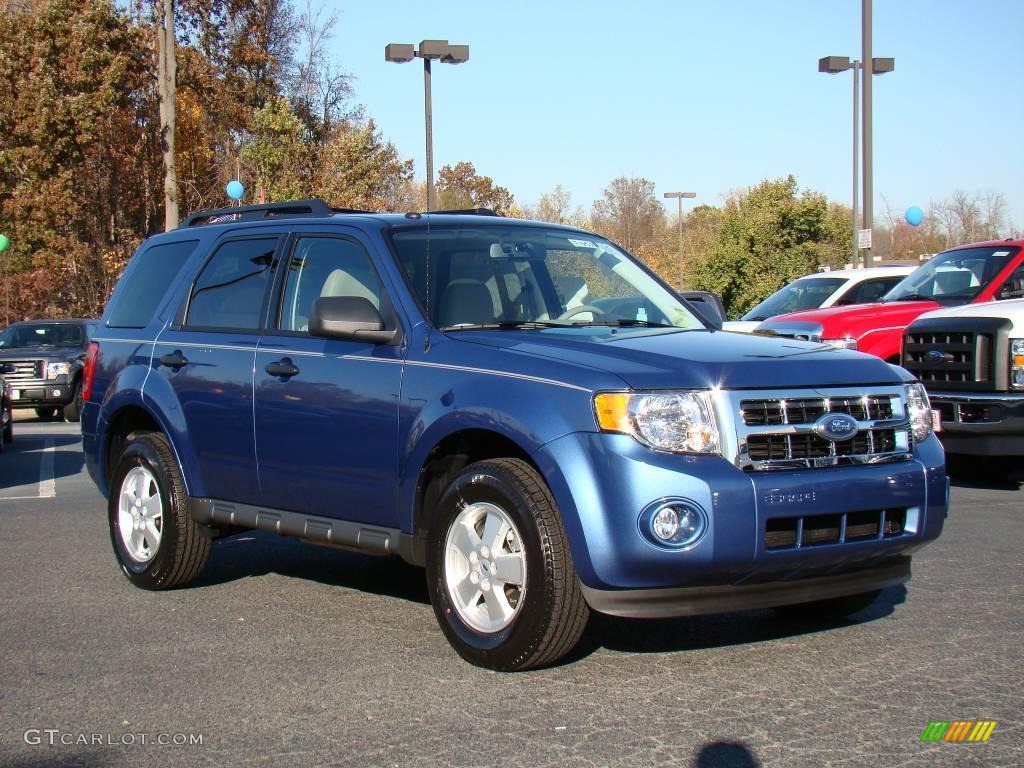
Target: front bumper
x=38 y=394
x=691 y=601
x=603 y=483
x=981 y=424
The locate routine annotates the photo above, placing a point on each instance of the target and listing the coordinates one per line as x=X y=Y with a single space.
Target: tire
x=46 y=413
x=8 y=430
x=516 y=610
x=73 y=410
x=829 y=610
x=147 y=488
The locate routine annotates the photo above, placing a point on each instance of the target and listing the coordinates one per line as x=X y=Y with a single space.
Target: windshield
x=531 y=276
x=953 y=277
x=805 y=293
x=41 y=335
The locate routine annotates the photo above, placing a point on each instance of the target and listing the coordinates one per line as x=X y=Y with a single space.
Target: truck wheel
x=73 y=410
x=8 y=429
x=46 y=413
x=156 y=542
x=499 y=570
x=829 y=610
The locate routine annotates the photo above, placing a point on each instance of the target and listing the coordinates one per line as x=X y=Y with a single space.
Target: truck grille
x=956 y=357
x=781 y=430
x=24 y=370
x=815 y=530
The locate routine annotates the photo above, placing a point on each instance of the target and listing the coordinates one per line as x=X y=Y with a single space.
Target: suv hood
x=1011 y=309
x=667 y=359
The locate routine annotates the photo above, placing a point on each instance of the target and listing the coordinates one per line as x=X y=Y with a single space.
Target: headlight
x=53 y=370
x=1017 y=364
x=681 y=422
x=919 y=410
x=847 y=342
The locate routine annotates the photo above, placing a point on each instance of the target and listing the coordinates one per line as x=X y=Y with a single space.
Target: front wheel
x=73 y=410
x=156 y=542
x=499 y=570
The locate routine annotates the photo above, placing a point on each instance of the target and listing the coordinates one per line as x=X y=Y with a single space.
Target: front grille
x=968 y=412
x=24 y=370
x=816 y=530
x=781 y=432
x=949 y=357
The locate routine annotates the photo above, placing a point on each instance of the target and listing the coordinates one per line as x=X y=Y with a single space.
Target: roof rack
x=283 y=210
x=468 y=211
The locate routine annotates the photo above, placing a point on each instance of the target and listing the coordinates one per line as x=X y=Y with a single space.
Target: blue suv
x=521 y=408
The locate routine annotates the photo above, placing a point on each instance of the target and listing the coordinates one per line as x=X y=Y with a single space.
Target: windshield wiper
x=624 y=323
x=503 y=325
x=912 y=297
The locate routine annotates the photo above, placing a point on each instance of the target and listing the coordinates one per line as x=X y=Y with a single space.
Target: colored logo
x=959 y=730
x=937 y=356
x=836 y=426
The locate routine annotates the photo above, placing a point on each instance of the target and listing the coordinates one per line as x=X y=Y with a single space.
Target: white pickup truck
x=971 y=360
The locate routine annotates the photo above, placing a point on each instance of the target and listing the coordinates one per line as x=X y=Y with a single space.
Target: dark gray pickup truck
x=47 y=358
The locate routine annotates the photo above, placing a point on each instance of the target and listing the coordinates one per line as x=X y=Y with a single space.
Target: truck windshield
x=41 y=335
x=515 y=276
x=805 y=293
x=953 y=277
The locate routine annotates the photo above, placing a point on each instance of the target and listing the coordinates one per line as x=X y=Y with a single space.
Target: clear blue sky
x=701 y=95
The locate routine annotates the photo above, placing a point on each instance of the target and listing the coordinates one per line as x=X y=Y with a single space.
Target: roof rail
x=468 y=211
x=287 y=209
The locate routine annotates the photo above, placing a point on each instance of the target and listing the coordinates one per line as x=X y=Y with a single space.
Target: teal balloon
x=235 y=190
x=4 y=242
x=914 y=215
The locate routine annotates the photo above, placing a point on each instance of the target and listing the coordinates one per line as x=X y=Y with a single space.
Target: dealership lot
x=292 y=655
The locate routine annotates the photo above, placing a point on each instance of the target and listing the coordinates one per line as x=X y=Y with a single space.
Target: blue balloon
x=914 y=215
x=235 y=190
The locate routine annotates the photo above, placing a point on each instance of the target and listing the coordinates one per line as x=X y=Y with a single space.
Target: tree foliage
x=629 y=213
x=460 y=186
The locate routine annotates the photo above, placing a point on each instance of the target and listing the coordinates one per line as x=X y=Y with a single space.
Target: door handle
x=282 y=368
x=174 y=360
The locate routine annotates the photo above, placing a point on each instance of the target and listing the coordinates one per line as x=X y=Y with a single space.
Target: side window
x=139 y=294
x=869 y=291
x=1013 y=288
x=229 y=291
x=326 y=266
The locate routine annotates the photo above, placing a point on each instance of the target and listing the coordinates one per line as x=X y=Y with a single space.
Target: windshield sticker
x=1001 y=253
x=582 y=243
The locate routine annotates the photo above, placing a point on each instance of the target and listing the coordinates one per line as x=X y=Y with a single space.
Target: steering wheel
x=579 y=311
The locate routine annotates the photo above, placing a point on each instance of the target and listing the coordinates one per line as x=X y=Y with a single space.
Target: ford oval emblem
x=936 y=356
x=836 y=426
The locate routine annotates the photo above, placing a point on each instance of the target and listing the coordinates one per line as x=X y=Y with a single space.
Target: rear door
x=326 y=433
x=207 y=355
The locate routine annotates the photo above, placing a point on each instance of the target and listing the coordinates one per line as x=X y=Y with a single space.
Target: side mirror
x=708 y=305
x=348 y=317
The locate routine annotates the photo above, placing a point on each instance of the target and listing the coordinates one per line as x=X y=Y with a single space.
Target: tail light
x=92 y=357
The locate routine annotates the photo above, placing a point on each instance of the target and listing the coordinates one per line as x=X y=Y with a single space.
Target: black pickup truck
x=45 y=359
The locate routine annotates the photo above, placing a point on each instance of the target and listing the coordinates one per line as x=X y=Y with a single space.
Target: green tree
x=275 y=154
x=769 y=235
x=358 y=169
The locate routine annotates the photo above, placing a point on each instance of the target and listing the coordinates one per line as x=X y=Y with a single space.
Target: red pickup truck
x=966 y=274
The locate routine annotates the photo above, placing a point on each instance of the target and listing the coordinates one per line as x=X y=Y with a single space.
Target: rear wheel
x=499 y=571
x=156 y=542
x=831 y=609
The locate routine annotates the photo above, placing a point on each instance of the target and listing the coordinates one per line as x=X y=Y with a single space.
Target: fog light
x=55 y=392
x=673 y=522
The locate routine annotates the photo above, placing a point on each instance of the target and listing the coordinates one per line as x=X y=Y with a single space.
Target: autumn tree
x=557 y=207
x=460 y=186
x=358 y=169
x=629 y=213
x=770 y=235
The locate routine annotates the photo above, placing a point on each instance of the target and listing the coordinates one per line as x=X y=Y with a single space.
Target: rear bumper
x=981 y=424
x=691 y=601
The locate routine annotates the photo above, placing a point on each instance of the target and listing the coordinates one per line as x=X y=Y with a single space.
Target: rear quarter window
x=141 y=291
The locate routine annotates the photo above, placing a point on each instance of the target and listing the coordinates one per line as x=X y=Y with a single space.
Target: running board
x=317 y=530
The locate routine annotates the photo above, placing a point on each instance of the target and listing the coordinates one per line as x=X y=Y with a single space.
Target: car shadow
x=20 y=461
x=999 y=473
x=258 y=553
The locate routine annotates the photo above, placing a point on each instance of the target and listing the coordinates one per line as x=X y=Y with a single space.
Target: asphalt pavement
x=289 y=655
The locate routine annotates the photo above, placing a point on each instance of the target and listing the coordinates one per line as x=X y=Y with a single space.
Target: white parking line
x=47 y=486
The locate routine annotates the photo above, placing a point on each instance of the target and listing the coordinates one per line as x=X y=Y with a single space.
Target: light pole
x=679 y=198
x=429 y=50
x=833 y=65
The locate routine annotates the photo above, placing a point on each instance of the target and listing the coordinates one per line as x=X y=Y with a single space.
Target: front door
x=326 y=431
